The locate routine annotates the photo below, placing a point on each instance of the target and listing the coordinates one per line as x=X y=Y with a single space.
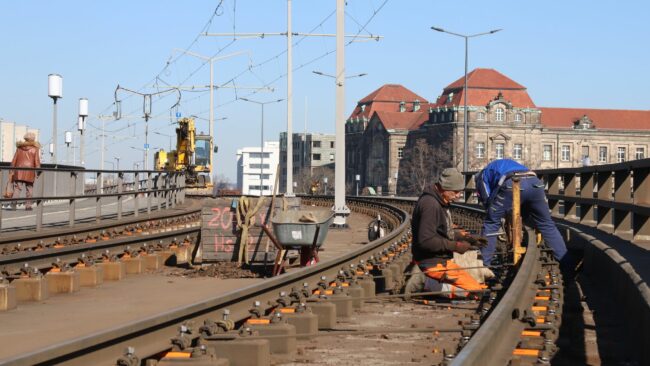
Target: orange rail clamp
x=258 y=321
x=525 y=352
x=531 y=333
x=287 y=310
x=178 y=355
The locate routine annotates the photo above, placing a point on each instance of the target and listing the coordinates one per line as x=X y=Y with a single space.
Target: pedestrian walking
x=27 y=156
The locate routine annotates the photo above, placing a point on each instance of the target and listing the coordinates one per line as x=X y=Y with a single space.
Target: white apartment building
x=10 y=133
x=256 y=172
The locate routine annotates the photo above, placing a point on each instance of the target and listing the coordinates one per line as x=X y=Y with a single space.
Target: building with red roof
x=393 y=128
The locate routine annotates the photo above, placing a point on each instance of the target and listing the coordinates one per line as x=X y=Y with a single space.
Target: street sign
x=146 y=146
x=178 y=114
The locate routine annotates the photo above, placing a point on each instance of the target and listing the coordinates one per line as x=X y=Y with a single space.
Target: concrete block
x=113 y=271
x=283 y=345
x=7 y=297
x=343 y=303
x=326 y=312
x=90 y=276
x=153 y=261
x=305 y=323
x=183 y=254
x=368 y=285
x=133 y=265
x=356 y=293
x=167 y=258
x=63 y=282
x=240 y=351
x=31 y=289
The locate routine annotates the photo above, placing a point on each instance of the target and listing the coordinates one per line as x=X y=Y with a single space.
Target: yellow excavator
x=192 y=155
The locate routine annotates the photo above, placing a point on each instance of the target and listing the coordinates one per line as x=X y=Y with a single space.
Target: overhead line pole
x=289 y=183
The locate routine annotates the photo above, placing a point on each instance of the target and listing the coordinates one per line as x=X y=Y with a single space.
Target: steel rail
x=497 y=336
x=42 y=259
x=150 y=336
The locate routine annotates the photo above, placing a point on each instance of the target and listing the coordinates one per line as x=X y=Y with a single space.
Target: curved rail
x=151 y=335
x=492 y=343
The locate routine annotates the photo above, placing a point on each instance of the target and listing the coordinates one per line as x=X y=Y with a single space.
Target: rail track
x=516 y=320
x=154 y=232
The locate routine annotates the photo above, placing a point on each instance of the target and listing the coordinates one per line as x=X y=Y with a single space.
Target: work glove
x=463 y=246
x=476 y=241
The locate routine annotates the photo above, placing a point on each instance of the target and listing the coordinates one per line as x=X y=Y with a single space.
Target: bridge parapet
x=70 y=185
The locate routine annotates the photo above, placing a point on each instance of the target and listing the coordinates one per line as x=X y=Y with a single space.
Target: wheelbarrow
x=302 y=230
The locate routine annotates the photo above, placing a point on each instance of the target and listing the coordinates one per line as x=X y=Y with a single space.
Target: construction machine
x=193 y=155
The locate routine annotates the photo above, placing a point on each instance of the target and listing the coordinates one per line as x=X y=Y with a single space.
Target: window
x=258 y=166
x=400 y=152
x=331 y=144
x=547 y=152
x=499 y=150
x=331 y=156
x=518 y=117
x=480 y=150
x=640 y=153
x=315 y=157
x=566 y=152
x=620 y=154
x=585 y=152
x=499 y=114
x=442 y=117
x=602 y=154
x=259 y=155
x=517 y=151
x=315 y=143
x=480 y=116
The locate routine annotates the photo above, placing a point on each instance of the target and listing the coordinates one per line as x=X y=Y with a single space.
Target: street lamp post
x=83 y=114
x=465 y=117
x=54 y=91
x=325 y=183
x=117 y=158
x=262 y=139
x=357 y=178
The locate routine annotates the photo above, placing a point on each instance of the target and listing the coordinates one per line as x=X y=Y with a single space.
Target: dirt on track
x=222 y=270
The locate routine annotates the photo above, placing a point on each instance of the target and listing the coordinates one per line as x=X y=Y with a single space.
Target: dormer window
x=499 y=113
x=402 y=106
x=416 y=105
x=450 y=97
x=363 y=107
x=584 y=123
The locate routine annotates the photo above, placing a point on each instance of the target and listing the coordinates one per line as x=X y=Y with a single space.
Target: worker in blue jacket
x=494 y=187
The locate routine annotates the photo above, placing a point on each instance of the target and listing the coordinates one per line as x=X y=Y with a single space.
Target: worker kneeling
x=442 y=255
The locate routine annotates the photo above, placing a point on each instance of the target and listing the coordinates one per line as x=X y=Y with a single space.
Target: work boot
x=415 y=284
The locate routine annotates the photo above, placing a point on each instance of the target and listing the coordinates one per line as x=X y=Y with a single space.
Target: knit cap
x=451 y=180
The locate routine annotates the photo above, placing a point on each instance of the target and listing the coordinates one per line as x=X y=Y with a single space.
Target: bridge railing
x=614 y=198
x=71 y=186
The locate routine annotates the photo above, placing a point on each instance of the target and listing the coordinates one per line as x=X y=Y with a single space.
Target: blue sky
x=580 y=53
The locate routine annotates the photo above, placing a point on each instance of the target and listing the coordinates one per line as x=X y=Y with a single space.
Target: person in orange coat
x=27 y=155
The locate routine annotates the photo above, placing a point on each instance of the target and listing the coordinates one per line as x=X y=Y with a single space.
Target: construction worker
x=435 y=241
x=494 y=188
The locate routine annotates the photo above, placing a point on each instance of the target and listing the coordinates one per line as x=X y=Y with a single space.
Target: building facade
x=313 y=161
x=503 y=122
x=10 y=133
x=256 y=170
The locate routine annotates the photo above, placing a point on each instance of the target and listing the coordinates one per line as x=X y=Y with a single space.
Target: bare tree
x=417 y=168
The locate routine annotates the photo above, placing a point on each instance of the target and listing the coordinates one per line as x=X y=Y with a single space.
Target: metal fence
x=69 y=186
